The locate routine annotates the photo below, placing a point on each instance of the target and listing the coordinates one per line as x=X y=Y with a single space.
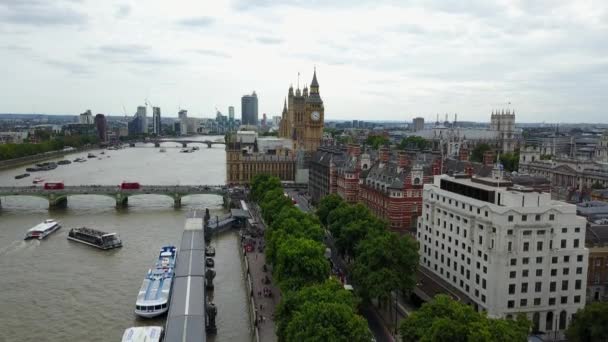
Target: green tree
x=263 y=183
x=355 y=231
x=376 y=141
x=343 y=215
x=446 y=320
x=597 y=185
x=320 y=322
x=510 y=161
x=300 y=262
x=414 y=142
x=384 y=263
x=331 y=291
x=327 y=205
x=478 y=151
x=589 y=324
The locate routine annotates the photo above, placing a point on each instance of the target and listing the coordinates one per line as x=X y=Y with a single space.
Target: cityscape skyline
x=545 y=59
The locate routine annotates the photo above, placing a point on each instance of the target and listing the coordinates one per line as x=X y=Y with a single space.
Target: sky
x=378 y=60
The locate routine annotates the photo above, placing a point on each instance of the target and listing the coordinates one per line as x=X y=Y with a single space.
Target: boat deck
x=186 y=318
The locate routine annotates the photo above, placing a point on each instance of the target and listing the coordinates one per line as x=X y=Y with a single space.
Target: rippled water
x=58 y=290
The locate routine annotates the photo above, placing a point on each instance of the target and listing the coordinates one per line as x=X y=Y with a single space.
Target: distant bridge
x=184 y=143
x=58 y=198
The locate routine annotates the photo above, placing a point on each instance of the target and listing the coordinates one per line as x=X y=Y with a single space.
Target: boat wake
x=17 y=246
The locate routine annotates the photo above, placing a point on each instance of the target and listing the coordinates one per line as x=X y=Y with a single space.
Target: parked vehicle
x=54 y=186
x=129 y=185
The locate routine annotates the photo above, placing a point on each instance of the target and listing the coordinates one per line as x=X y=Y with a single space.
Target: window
x=552 y=286
x=564 y=230
x=510 y=246
x=539 y=273
x=526 y=246
x=563 y=243
x=565 y=271
x=536 y=301
x=524 y=287
x=551 y=217
x=564 y=300
x=511 y=304
x=551 y=301
x=577 y=284
x=564 y=285
x=483 y=284
x=512 y=274
x=527 y=232
x=577 y=299
x=579 y=270
x=483 y=298
x=540 y=232
x=513 y=262
x=537 y=217
x=566 y=258
x=524 y=218
x=525 y=261
x=554 y=260
x=510 y=220
x=539 y=246
x=480 y=240
x=511 y=288
x=523 y=302
x=538 y=286
x=577 y=230
x=576 y=243
x=579 y=258
x=524 y=273
x=539 y=260
x=554 y=272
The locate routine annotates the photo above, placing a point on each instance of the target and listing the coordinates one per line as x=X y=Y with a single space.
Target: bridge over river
x=59 y=197
x=184 y=142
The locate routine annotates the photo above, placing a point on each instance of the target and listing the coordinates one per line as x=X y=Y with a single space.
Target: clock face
x=315 y=116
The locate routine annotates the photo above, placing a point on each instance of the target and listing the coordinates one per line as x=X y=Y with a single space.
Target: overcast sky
x=376 y=60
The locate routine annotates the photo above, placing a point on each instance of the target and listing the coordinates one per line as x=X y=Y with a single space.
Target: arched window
x=549 y=321
x=562 y=320
x=416 y=181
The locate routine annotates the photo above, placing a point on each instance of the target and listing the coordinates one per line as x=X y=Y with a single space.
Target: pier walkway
x=186 y=320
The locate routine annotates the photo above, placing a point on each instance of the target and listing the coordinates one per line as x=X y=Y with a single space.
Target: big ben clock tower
x=314 y=116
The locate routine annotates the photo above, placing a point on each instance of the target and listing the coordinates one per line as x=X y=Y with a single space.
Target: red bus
x=129 y=185
x=53 y=186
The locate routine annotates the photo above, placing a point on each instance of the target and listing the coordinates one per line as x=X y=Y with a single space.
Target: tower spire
x=314 y=82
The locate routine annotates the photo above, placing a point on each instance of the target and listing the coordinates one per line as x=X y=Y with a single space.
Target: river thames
x=58 y=290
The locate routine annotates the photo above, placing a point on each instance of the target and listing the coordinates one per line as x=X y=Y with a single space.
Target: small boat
x=31 y=169
x=90 y=155
x=95 y=238
x=209 y=262
x=42 y=230
x=143 y=334
x=102 y=152
x=23 y=175
x=162 y=150
x=38 y=180
x=80 y=160
x=64 y=162
x=209 y=251
x=155 y=292
x=195 y=148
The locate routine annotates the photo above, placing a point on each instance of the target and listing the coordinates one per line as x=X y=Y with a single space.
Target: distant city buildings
x=86 y=118
x=231 y=113
x=505 y=249
x=142 y=114
x=156 y=121
x=418 y=124
x=249 y=109
x=102 y=127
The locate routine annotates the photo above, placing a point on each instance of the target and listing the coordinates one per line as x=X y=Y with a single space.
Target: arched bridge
x=59 y=197
x=184 y=143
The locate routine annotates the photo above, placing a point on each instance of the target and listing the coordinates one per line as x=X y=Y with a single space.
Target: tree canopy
x=11 y=151
x=300 y=262
x=414 y=142
x=327 y=205
x=376 y=141
x=510 y=161
x=589 y=324
x=446 y=320
x=478 y=151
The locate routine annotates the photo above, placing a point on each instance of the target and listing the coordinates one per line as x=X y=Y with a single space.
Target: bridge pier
x=58 y=202
x=184 y=145
x=177 y=201
x=131 y=144
x=122 y=201
x=209 y=144
x=156 y=144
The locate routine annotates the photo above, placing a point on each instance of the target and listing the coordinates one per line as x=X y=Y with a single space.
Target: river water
x=58 y=290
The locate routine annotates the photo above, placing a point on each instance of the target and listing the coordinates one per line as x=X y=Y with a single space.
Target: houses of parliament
x=286 y=156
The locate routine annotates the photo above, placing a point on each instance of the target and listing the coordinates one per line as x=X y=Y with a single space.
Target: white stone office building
x=509 y=249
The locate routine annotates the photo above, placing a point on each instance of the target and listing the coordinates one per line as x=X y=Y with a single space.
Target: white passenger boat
x=155 y=292
x=143 y=334
x=42 y=230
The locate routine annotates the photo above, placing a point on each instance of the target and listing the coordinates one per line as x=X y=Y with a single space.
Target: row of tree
x=314 y=307
x=11 y=151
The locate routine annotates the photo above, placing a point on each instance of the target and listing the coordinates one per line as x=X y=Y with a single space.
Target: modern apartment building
x=156 y=122
x=508 y=249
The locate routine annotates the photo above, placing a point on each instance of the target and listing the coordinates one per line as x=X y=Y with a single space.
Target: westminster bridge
x=58 y=198
x=184 y=143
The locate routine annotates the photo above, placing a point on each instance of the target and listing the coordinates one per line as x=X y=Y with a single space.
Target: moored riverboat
x=155 y=292
x=23 y=175
x=95 y=238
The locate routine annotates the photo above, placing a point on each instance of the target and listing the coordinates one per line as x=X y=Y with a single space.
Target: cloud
x=269 y=40
x=196 y=22
x=120 y=49
x=212 y=53
x=123 y=11
x=41 y=13
x=71 y=67
x=131 y=53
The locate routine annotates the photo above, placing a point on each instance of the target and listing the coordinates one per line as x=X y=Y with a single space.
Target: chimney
x=488 y=158
x=437 y=167
x=354 y=150
x=468 y=170
x=383 y=156
x=463 y=154
x=403 y=161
